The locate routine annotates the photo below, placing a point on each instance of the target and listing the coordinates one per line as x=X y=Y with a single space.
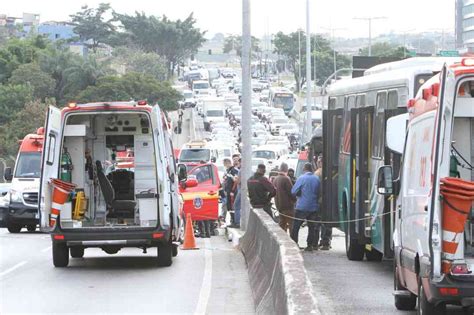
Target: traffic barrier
x=189 y=239
x=457 y=196
x=278 y=278
x=61 y=191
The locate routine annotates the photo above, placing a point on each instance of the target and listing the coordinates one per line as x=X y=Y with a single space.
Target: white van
x=273 y=154
x=201 y=87
x=132 y=206
x=433 y=264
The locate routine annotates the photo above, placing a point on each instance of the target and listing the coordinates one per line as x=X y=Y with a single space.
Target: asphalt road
x=211 y=280
x=350 y=287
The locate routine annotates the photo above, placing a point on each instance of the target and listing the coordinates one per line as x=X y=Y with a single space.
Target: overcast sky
x=268 y=15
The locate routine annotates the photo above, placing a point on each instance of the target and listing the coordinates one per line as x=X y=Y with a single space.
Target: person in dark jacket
x=231 y=173
x=306 y=190
x=261 y=190
x=284 y=200
x=291 y=175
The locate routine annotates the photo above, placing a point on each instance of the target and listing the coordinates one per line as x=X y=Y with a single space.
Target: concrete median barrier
x=277 y=275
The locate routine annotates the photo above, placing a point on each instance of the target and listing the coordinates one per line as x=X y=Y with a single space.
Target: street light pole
x=299 y=60
x=245 y=172
x=307 y=128
x=369 y=19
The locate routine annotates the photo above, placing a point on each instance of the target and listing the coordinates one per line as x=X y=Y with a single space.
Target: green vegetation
x=234 y=43
x=385 y=49
x=36 y=73
x=286 y=45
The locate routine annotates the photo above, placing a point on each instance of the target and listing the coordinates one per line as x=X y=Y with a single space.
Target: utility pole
x=405 y=41
x=246 y=169
x=333 y=40
x=299 y=60
x=308 y=76
x=369 y=19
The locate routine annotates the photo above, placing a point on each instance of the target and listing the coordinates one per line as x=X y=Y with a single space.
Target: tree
x=31 y=74
x=13 y=99
x=385 y=49
x=136 y=60
x=131 y=86
x=287 y=46
x=25 y=121
x=234 y=43
x=173 y=40
x=91 y=25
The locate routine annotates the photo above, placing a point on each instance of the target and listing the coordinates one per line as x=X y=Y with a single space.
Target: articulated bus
x=354 y=124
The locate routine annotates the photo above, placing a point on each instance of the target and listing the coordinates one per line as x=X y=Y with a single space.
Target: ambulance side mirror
x=191 y=182
x=182 y=172
x=8 y=174
x=396 y=132
x=385 y=181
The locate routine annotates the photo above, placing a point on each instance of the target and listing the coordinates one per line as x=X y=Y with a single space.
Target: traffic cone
x=189 y=240
x=61 y=191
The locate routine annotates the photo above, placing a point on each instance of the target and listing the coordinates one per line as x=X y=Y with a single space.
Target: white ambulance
x=434 y=263
x=111 y=207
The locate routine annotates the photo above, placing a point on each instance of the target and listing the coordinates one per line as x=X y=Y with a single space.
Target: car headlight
x=15 y=196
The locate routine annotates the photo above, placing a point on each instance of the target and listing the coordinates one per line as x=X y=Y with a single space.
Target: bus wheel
x=354 y=250
x=424 y=307
x=402 y=302
x=373 y=255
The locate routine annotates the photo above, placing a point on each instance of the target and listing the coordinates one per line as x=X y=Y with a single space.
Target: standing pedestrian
x=229 y=191
x=261 y=190
x=284 y=200
x=324 y=229
x=291 y=175
x=237 y=202
x=306 y=191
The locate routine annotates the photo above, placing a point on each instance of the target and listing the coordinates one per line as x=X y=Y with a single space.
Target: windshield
x=187 y=94
x=199 y=86
x=269 y=155
x=28 y=165
x=195 y=155
x=215 y=113
x=285 y=100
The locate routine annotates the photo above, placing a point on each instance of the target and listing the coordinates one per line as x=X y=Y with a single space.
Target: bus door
x=393 y=159
x=332 y=126
x=361 y=139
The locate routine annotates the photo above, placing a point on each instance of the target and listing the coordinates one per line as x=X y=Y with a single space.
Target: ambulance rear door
x=50 y=164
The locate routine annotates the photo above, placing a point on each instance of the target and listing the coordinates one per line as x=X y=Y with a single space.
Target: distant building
x=57 y=30
x=465 y=25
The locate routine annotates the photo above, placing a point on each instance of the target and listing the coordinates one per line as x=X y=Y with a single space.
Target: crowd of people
x=297 y=201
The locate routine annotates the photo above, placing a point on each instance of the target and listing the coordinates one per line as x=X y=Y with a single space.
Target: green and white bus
x=354 y=124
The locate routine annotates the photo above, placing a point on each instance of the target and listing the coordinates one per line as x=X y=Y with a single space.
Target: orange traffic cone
x=189 y=240
x=61 y=193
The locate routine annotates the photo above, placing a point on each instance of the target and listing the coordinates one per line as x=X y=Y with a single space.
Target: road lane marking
x=12 y=268
x=206 y=285
x=46 y=249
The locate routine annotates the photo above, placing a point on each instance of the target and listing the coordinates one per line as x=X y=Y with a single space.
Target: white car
x=288 y=129
x=276 y=123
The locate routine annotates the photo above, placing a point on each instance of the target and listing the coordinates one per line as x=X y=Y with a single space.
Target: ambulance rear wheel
x=31 y=227
x=14 y=228
x=60 y=255
x=165 y=254
x=77 y=252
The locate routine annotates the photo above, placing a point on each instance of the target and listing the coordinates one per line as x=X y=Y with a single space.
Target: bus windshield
x=200 y=86
x=28 y=165
x=283 y=100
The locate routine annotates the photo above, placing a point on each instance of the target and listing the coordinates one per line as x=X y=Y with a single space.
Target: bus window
x=379 y=130
x=360 y=100
x=392 y=99
x=332 y=103
x=349 y=102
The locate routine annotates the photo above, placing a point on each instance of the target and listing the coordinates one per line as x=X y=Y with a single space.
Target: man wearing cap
x=261 y=190
x=306 y=190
